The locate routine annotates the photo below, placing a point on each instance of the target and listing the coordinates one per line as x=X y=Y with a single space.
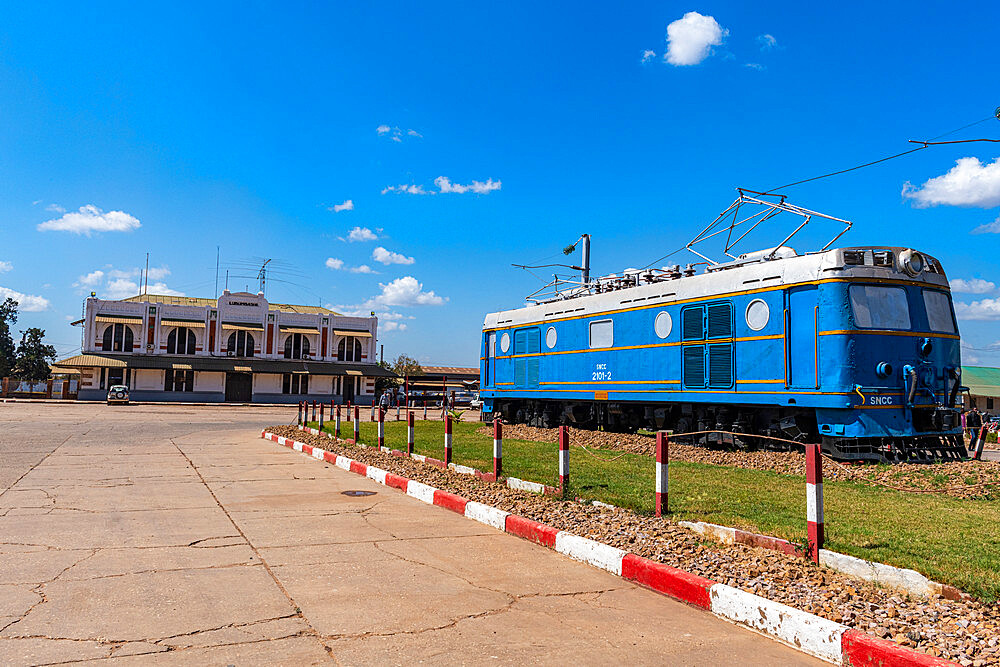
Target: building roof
x=981 y=380
x=449 y=370
x=198 y=301
x=200 y=363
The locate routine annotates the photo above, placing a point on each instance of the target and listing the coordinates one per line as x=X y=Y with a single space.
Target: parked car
x=476 y=403
x=118 y=393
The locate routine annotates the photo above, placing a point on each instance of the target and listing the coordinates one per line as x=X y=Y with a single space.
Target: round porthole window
x=663 y=324
x=757 y=315
x=505 y=343
x=550 y=337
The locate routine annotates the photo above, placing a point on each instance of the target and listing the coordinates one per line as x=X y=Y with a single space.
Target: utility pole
x=217 y=251
x=145 y=290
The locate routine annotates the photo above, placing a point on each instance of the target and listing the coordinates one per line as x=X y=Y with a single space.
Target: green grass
x=948 y=539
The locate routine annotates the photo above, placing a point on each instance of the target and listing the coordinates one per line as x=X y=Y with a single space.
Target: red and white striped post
x=425 y=409
x=320 y=427
x=314 y=411
x=980 y=444
x=497 y=448
x=381 y=427
x=662 y=472
x=564 y=459
x=409 y=431
x=444 y=395
x=357 y=425
x=814 y=500
x=397 y=410
x=336 y=425
x=447 y=439
x=299 y=421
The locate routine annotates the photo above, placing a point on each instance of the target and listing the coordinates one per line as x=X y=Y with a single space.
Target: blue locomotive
x=855 y=347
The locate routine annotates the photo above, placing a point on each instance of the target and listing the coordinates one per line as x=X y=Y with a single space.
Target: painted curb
x=809 y=633
x=890 y=576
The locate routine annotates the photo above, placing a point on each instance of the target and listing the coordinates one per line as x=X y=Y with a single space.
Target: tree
x=405 y=365
x=8 y=316
x=34 y=356
x=402 y=367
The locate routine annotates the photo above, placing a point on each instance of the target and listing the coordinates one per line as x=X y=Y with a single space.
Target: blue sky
x=468 y=137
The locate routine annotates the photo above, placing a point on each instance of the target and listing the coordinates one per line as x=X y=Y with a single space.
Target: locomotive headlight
x=883 y=369
x=912 y=262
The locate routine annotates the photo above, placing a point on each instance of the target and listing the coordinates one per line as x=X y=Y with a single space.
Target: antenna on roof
x=262 y=275
x=217 y=252
x=145 y=290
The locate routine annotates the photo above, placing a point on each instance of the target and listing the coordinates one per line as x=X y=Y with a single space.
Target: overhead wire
x=927 y=143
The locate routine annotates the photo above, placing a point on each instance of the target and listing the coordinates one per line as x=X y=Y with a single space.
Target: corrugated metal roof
x=981 y=380
x=357 y=333
x=191 y=324
x=198 y=301
x=199 y=363
x=89 y=361
x=450 y=370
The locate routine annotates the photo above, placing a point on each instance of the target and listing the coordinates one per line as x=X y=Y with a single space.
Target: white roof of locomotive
x=751 y=271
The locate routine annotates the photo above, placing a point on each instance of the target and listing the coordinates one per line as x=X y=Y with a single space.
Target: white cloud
x=972 y=286
x=767 y=42
x=988 y=228
x=92 y=279
x=480 y=188
x=755 y=66
x=339 y=265
x=121 y=288
x=648 y=55
x=5 y=266
x=405 y=291
x=55 y=208
x=346 y=206
x=387 y=320
x=28 y=303
x=690 y=39
x=380 y=254
x=121 y=283
x=408 y=189
x=397 y=133
x=361 y=234
x=158 y=273
x=968 y=183
x=91 y=219
x=985 y=309
x=445 y=186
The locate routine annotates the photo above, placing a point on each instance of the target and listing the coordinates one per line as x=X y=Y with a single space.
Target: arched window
x=240 y=344
x=349 y=349
x=117 y=338
x=296 y=346
x=180 y=341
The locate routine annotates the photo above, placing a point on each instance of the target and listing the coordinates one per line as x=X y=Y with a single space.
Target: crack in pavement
x=298 y=611
x=39 y=590
x=114 y=644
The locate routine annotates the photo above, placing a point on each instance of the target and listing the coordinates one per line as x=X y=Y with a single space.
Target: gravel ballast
x=967 y=632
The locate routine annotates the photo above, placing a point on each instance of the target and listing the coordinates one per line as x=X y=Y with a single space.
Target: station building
x=237 y=348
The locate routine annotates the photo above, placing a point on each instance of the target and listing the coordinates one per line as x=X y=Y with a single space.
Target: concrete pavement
x=173 y=534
